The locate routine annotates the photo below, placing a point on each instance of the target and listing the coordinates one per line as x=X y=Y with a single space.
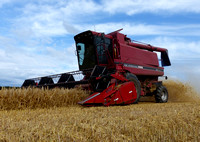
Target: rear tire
x=136 y=82
x=161 y=95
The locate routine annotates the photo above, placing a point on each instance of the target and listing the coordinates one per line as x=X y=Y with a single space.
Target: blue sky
x=36 y=37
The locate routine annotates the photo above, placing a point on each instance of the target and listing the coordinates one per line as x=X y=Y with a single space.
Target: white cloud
x=70 y=28
x=179 y=48
x=52 y=20
x=70 y=17
x=80 y=8
x=131 y=7
x=2 y=2
x=21 y=66
x=145 y=29
x=19 y=62
x=28 y=49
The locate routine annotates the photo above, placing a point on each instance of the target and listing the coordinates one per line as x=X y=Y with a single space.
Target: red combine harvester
x=116 y=70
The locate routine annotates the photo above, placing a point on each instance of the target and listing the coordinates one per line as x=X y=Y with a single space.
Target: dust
x=181 y=92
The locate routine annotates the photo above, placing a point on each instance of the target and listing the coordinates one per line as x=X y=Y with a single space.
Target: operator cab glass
x=81 y=52
x=103 y=49
x=92 y=50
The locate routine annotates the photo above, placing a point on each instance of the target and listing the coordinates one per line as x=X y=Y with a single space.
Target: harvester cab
x=116 y=70
x=93 y=49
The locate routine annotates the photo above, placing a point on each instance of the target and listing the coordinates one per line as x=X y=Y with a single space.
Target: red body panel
x=114 y=95
x=125 y=94
x=136 y=58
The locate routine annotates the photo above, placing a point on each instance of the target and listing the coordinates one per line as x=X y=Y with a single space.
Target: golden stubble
x=137 y=122
x=53 y=115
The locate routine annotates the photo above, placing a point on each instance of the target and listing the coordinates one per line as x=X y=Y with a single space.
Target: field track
x=177 y=120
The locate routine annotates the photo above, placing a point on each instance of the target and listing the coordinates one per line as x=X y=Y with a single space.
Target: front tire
x=161 y=95
x=136 y=82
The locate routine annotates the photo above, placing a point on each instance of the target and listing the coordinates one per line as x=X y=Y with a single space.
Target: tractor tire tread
x=159 y=92
x=134 y=79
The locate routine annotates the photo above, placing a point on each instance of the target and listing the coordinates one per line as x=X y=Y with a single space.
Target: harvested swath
x=144 y=122
x=181 y=92
x=32 y=98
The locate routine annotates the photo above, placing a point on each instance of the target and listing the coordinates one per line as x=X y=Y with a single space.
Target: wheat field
x=53 y=115
x=31 y=98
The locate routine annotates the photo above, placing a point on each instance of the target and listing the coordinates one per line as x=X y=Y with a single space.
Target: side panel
x=139 y=61
x=138 y=56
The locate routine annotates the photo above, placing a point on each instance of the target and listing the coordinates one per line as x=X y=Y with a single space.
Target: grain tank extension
x=116 y=70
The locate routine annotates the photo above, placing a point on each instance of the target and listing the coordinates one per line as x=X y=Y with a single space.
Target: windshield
x=103 y=49
x=86 y=55
x=81 y=52
x=92 y=50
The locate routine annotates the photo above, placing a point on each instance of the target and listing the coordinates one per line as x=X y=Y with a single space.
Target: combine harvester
x=116 y=70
